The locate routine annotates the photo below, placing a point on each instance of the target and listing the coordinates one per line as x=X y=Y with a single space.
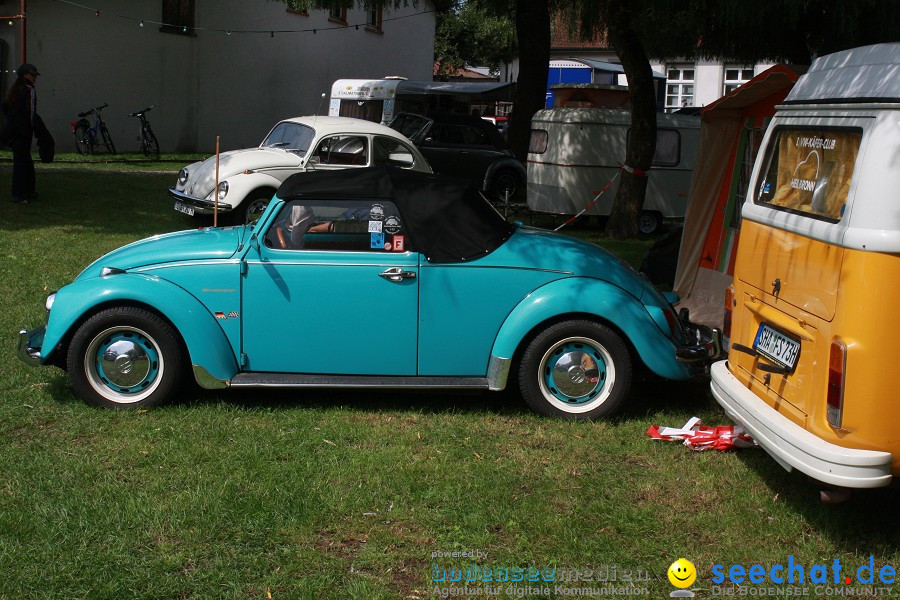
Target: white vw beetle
x=248 y=178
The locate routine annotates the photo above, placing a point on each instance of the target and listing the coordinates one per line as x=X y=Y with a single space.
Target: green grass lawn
x=324 y=494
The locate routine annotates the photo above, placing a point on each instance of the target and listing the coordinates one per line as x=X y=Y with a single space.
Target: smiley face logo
x=682 y=573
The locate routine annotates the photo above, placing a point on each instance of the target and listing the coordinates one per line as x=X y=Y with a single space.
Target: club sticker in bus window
x=808 y=171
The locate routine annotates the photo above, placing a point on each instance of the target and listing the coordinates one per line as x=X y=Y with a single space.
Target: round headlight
x=223 y=190
x=182 y=176
x=49 y=303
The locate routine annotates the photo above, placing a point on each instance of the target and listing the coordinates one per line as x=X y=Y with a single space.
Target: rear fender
x=577 y=297
x=206 y=342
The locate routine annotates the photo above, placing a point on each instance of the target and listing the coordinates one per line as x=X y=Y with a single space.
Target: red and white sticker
x=399 y=243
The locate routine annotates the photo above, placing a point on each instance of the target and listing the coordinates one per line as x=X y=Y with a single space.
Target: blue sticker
x=377 y=241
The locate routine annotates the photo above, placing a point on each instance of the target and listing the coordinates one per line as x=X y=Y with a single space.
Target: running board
x=292 y=380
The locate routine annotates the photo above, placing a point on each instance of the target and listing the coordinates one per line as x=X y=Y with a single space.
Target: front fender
x=207 y=344
x=508 y=162
x=242 y=185
x=585 y=296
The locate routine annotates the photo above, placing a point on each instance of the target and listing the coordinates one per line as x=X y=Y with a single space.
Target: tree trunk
x=629 y=200
x=533 y=31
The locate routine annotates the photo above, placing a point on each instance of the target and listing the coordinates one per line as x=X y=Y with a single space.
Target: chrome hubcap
x=123 y=364
x=577 y=374
x=256 y=209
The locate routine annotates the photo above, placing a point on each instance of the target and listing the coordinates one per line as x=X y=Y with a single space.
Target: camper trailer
x=380 y=100
x=575 y=152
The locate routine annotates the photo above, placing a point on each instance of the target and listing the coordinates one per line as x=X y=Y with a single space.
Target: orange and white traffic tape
x=698 y=437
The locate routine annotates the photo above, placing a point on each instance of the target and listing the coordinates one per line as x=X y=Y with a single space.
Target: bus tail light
x=837 y=376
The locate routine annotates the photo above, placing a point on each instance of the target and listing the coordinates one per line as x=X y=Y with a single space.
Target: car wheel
x=505 y=184
x=649 y=222
x=251 y=208
x=576 y=370
x=126 y=357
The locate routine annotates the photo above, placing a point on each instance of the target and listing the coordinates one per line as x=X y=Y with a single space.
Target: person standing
x=20 y=108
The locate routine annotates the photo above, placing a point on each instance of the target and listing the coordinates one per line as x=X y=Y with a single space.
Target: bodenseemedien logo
x=682 y=574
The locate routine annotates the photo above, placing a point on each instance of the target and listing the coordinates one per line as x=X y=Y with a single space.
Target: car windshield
x=292 y=137
x=412 y=126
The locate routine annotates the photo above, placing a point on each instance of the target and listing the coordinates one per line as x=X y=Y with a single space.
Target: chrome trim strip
x=187 y=263
x=29 y=350
x=334 y=263
x=498 y=373
x=207 y=381
x=307 y=380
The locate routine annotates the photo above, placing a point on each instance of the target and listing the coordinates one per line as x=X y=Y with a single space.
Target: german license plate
x=184 y=208
x=776 y=346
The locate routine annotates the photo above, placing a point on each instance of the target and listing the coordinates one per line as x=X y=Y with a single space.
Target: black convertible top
x=446 y=218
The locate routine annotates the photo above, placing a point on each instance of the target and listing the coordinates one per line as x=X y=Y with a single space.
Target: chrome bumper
x=704 y=346
x=201 y=205
x=30 y=343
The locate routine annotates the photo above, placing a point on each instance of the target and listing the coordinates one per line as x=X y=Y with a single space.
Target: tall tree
x=533 y=31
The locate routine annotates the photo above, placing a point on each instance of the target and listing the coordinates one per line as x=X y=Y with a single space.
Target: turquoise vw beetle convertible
x=367 y=278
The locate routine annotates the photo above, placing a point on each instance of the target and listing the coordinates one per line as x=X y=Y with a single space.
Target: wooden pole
x=216 y=189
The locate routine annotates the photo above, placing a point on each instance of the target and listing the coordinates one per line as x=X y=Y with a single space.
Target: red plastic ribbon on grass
x=698 y=437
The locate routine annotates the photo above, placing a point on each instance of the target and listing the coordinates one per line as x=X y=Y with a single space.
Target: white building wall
x=235 y=86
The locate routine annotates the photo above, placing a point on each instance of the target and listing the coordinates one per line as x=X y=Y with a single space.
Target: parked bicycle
x=88 y=136
x=149 y=145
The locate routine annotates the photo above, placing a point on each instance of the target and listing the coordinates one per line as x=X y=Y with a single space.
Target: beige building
x=230 y=68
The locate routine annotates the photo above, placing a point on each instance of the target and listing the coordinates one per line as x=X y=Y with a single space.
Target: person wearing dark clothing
x=20 y=108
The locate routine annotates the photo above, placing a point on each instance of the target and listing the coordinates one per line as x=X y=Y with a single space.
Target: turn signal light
x=837 y=376
x=729 y=309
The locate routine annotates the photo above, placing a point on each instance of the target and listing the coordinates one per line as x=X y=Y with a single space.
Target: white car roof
x=325 y=125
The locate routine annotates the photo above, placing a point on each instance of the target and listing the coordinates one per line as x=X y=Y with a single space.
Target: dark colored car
x=466 y=147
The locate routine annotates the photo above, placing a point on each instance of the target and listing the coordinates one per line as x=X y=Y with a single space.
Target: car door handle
x=397 y=274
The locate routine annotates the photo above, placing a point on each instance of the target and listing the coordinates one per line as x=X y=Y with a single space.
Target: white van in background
x=575 y=152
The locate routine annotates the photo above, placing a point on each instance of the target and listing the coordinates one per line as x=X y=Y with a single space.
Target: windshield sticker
x=387 y=246
x=375 y=226
x=392 y=225
x=376 y=213
x=399 y=243
x=377 y=241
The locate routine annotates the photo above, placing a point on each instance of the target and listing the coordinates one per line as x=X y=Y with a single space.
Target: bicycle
x=149 y=145
x=87 y=136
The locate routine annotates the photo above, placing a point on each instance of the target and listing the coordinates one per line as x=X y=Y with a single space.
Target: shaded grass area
x=324 y=494
x=122 y=162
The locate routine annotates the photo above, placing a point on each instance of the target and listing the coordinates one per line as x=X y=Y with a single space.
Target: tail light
x=729 y=309
x=837 y=376
x=73 y=125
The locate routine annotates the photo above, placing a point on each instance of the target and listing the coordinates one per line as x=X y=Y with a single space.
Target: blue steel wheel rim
x=124 y=364
x=576 y=375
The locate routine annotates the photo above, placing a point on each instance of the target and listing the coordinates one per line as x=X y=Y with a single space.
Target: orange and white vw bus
x=813 y=371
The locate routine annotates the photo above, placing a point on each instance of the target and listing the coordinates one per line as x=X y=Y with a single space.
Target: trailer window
x=370 y=110
x=808 y=171
x=668 y=147
x=538 y=142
